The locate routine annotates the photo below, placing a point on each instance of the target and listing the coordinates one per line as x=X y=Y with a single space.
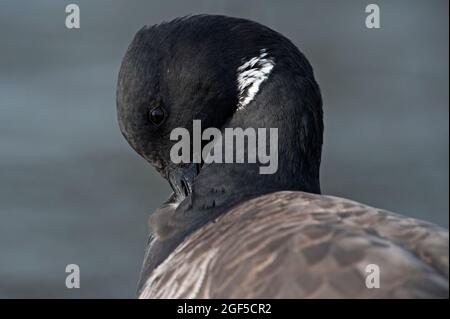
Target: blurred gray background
x=73 y=191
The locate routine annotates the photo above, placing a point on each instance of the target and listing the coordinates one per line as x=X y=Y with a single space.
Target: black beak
x=181 y=179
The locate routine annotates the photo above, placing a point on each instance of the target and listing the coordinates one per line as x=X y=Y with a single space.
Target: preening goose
x=230 y=230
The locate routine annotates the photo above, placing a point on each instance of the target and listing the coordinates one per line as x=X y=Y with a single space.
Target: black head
x=189 y=69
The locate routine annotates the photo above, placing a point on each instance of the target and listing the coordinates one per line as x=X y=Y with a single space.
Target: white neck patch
x=250 y=76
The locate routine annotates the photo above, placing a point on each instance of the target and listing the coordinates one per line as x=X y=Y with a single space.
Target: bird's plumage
x=302 y=245
x=234 y=232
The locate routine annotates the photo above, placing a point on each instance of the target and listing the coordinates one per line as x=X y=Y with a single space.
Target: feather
x=301 y=245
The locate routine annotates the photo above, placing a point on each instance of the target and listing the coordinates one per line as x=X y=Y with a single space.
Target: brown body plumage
x=300 y=245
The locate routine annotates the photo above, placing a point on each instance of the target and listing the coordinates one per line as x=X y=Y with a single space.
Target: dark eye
x=157 y=115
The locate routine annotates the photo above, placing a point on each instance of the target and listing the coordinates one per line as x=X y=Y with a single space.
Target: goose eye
x=157 y=115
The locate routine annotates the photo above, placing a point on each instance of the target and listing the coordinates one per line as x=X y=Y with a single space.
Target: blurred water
x=72 y=191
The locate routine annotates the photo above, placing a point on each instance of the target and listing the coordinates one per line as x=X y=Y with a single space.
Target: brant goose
x=228 y=231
